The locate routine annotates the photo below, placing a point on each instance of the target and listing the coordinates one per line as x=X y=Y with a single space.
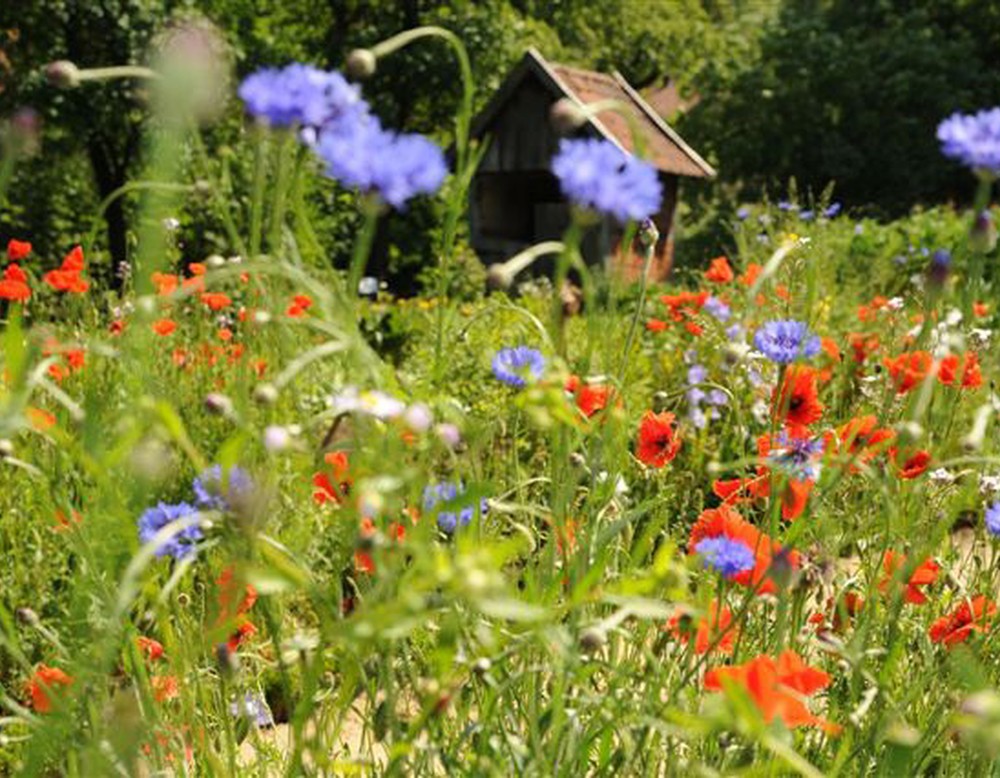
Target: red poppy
x=17 y=249
x=719 y=272
x=980 y=309
x=658 y=441
x=67 y=278
x=76 y=357
x=861 y=438
x=216 y=300
x=165 y=283
x=656 y=325
x=909 y=369
x=714 y=629
x=868 y=312
x=925 y=574
x=913 y=465
x=798 y=400
x=228 y=591
x=153 y=649
x=164 y=327
x=299 y=305
x=971 y=616
x=165 y=687
x=244 y=630
x=43 y=683
x=335 y=490
x=967 y=365
x=724 y=521
x=197 y=268
x=751 y=274
x=117 y=327
x=65 y=523
x=590 y=398
x=777 y=687
x=14 y=285
x=40 y=418
x=863 y=345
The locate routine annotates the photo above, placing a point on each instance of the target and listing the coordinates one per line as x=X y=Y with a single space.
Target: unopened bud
x=983 y=237
x=227 y=661
x=62 y=74
x=266 y=394
x=27 y=616
x=592 y=640
x=566 y=116
x=499 y=277
x=215 y=261
x=6 y=448
x=909 y=432
x=218 y=404
x=360 y=64
x=482 y=665
x=660 y=400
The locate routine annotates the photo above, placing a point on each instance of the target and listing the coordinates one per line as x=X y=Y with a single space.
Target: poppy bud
x=218 y=404
x=6 y=448
x=27 y=616
x=62 y=74
x=983 y=236
x=265 y=394
x=482 y=666
x=566 y=116
x=592 y=640
x=648 y=233
x=660 y=400
x=226 y=660
x=360 y=64
x=215 y=261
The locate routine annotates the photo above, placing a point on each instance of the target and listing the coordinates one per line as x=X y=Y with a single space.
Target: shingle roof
x=662 y=146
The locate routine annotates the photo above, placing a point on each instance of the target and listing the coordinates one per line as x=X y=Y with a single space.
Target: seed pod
x=62 y=74
x=265 y=394
x=360 y=64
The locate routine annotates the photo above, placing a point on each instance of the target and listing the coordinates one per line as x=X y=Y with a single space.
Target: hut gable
x=515 y=198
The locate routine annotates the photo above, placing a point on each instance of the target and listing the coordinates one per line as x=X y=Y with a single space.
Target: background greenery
x=819 y=90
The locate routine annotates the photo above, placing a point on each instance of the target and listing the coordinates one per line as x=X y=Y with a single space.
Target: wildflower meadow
x=263 y=514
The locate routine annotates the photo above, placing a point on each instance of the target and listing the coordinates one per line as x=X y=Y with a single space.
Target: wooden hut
x=515 y=199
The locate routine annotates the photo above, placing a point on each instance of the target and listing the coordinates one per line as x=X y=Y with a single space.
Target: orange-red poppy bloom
x=165 y=283
x=861 y=438
x=777 y=687
x=656 y=325
x=863 y=345
x=153 y=649
x=44 y=685
x=980 y=309
x=719 y=271
x=67 y=278
x=335 y=489
x=924 y=575
x=244 y=630
x=216 y=300
x=725 y=521
x=797 y=402
x=751 y=274
x=713 y=632
x=17 y=250
x=913 y=464
x=299 y=305
x=658 y=440
x=971 y=616
x=165 y=687
x=14 y=285
x=40 y=418
x=164 y=327
x=590 y=398
x=967 y=366
x=909 y=369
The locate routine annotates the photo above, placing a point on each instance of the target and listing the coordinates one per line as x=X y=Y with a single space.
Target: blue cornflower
x=973 y=139
x=734 y=332
x=597 y=174
x=785 y=205
x=519 y=365
x=717 y=397
x=696 y=374
x=742 y=212
x=785 y=341
x=941 y=259
x=159 y=516
x=371 y=159
x=449 y=520
x=254 y=708
x=832 y=210
x=993 y=519
x=303 y=95
x=797 y=456
x=713 y=306
x=725 y=556
x=210 y=494
x=807 y=215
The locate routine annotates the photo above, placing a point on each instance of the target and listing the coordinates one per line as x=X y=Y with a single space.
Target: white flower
x=942 y=476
